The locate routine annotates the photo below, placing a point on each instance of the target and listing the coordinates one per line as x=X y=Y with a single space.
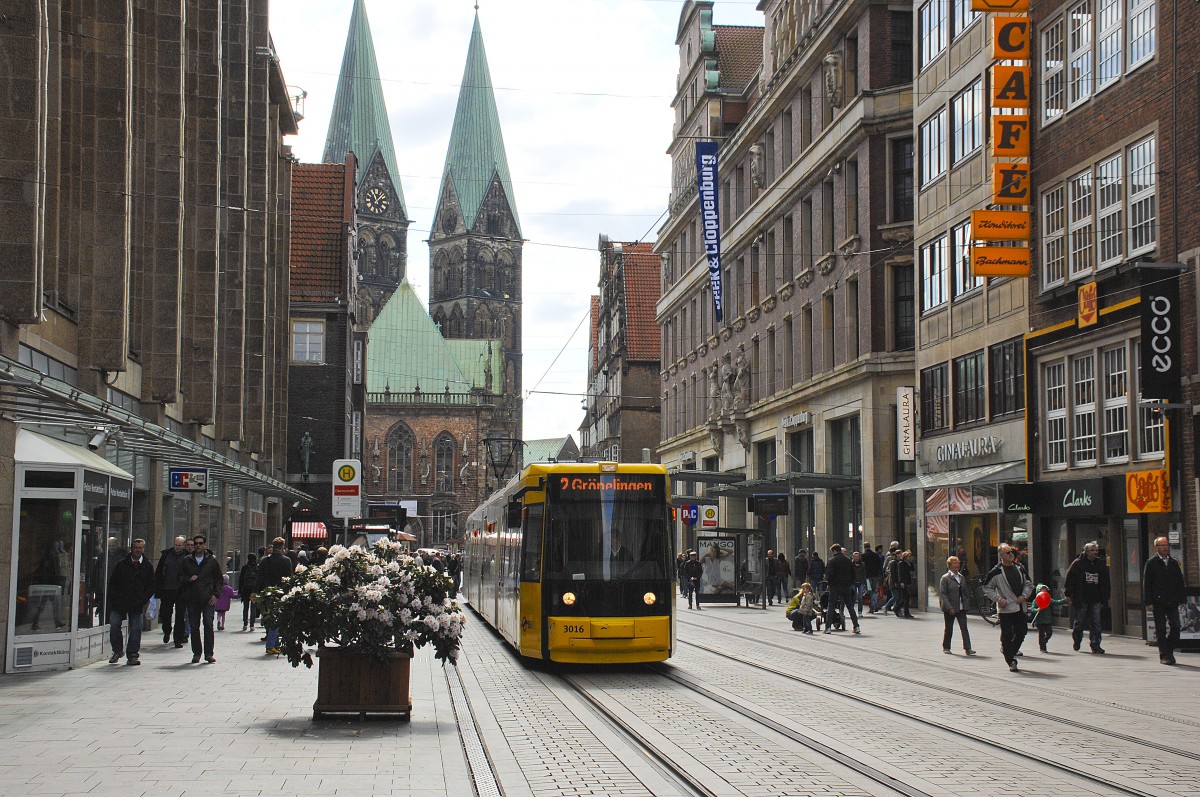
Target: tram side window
x=531 y=567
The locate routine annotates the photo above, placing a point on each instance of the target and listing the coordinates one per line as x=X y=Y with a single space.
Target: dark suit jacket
x=1162 y=582
x=207 y=585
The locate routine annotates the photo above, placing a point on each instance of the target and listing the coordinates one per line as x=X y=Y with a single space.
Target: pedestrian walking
x=166 y=577
x=1164 y=594
x=839 y=574
x=816 y=572
x=271 y=573
x=200 y=582
x=247 y=579
x=860 y=579
x=772 y=584
x=785 y=575
x=224 y=601
x=888 y=583
x=952 y=593
x=693 y=571
x=1008 y=586
x=1088 y=588
x=873 y=563
x=680 y=559
x=130 y=588
x=800 y=566
x=1043 y=615
x=901 y=576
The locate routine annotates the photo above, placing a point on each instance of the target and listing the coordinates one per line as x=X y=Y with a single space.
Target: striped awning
x=308 y=531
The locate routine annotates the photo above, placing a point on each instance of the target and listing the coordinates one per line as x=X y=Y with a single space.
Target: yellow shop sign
x=1148 y=491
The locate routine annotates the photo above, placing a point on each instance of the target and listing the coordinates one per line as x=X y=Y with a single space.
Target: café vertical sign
x=1011 y=181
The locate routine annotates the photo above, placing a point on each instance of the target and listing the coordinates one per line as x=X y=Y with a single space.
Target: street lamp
x=500 y=453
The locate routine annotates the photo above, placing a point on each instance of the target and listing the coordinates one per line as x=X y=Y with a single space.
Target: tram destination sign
x=187 y=480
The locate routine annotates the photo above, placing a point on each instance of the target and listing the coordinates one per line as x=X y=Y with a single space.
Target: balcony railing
x=421 y=397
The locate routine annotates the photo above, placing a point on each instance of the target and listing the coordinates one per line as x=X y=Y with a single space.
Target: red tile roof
x=643 y=287
x=739 y=54
x=319 y=248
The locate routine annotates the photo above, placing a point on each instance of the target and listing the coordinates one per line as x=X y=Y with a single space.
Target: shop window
x=45 y=565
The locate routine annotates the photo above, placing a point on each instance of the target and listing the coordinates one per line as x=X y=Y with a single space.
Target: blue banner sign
x=710 y=215
x=187 y=480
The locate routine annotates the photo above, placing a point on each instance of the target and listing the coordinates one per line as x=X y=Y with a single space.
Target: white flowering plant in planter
x=376 y=600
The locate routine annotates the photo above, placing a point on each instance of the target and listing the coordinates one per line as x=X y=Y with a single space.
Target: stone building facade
x=795 y=389
x=144 y=225
x=622 y=406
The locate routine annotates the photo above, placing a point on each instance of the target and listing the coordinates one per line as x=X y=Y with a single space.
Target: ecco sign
x=1161 y=372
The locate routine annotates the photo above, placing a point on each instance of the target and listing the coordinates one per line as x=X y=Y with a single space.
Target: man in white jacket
x=1009 y=586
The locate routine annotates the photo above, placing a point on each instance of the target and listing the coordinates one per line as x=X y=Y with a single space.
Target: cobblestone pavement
x=243 y=725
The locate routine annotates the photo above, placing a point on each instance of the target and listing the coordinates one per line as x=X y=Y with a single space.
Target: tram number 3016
x=572 y=629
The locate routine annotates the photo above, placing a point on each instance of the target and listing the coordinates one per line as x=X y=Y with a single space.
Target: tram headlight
x=649 y=598
x=569 y=598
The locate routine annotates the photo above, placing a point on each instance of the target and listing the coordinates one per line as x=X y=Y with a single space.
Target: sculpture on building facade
x=741 y=380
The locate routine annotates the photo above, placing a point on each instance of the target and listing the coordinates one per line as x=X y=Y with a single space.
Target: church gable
x=377 y=194
x=495 y=217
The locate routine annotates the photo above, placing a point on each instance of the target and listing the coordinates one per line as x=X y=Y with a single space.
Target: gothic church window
x=444 y=463
x=401 y=443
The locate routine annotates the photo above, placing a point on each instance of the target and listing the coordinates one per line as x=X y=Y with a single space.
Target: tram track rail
x=860 y=668
x=1103 y=779
x=680 y=774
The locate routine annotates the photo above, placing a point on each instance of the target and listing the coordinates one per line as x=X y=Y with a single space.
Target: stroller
x=839 y=618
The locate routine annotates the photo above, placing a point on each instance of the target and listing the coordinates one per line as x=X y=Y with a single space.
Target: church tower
x=359 y=124
x=475 y=242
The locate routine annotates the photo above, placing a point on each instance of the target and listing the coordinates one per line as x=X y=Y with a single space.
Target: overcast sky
x=583 y=89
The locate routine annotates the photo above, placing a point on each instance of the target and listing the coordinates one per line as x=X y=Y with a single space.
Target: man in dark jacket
x=692 y=572
x=166 y=577
x=873 y=565
x=816 y=572
x=1087 y=585
x=271 y=573
x=200 y=583
x=1164 y=594
x=129 y=590
x=839 y=574
x=800 y=566
x=772 y=577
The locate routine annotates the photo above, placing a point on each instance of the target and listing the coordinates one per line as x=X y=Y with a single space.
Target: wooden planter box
x=350 y=682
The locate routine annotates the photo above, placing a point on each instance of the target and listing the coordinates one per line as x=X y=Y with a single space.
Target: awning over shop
x=786 y=483
x=31 y=398
x=308 y=531
x=983 y=474
x=704 y=476
x=41 y=450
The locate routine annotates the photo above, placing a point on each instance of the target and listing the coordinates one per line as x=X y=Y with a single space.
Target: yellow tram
x=573 y=562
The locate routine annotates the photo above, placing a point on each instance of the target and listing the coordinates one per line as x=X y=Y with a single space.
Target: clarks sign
x=1073 y=498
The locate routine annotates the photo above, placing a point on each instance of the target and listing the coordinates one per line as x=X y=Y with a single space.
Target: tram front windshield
x=607 y=527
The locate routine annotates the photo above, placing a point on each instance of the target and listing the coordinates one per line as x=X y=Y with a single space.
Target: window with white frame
x=935 y=398
x=1054 y=224
x=965 y=280
x=1053 y=74
x=1054 y=381
x=932 y=17
x=1152 y=439
x=1141 y=31
x=308 y=342
x=1101 y=216
x=1089 y=416
x=1089 y=47
x=963 y=16
x=1142 y=202
x=970 y=387
x=966 y=121
x=1083 y=410
x=934 y=276
x=1079 y=53
x=1108 y=43
x=1116 y=404
x=933 y=147
x=1110 y=207
x=1079 y=211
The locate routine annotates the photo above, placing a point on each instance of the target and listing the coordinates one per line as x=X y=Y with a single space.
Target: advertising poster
x=1189 y=623
x=717 y=555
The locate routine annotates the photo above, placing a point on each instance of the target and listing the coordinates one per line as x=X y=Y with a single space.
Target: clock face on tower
x=376 y=200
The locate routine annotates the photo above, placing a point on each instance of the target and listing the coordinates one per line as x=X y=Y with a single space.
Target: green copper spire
x=476 y=151
x=359 y=121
